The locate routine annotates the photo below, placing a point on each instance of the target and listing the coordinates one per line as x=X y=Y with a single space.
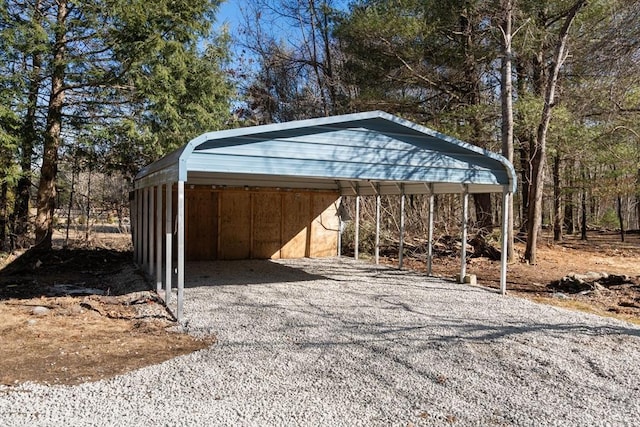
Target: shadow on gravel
x=482 y=332
x=243 y=272
x=476 y=330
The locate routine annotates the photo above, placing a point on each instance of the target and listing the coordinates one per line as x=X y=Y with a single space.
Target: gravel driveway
x=337 y=342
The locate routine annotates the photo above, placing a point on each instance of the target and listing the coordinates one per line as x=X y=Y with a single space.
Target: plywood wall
x=266 y=225
x=235 y=225
x=296 y=225
x=201 y=224
x=259 y=223
x=324 y=226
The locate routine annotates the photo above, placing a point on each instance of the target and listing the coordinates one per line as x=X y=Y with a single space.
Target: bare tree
x=291 y=42
x=506 y=98
x=540 y=150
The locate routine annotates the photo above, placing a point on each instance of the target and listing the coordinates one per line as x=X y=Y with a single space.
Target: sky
x=230 y=13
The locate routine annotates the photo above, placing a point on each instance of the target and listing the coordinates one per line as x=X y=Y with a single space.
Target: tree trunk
x=47 y=186
x=557 y=200
x=538 y=160
x=328 y=60
x=484 y=218
x=620 y=218
x=569 y=217
x=88 y=211
x=525 y=179
x=583 y=221
x=312 y=48
x=638 y=198
x=5 y=246
x=29 y=137
x=619 y=206
x=534 y=216
x=73 y=184
x=506 y=98
x=525 y=142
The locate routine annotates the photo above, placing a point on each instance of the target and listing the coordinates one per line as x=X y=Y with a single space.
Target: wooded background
x=93 y=90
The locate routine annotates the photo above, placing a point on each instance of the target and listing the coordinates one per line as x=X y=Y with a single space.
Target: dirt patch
x=110 y=325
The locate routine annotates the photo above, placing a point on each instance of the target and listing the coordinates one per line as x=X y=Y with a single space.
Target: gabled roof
x=362 y=152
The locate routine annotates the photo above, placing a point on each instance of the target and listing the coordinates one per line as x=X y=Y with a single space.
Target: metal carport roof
x=356 y=154
x=339 y=153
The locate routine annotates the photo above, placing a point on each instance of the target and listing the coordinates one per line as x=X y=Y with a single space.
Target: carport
x=294 y=167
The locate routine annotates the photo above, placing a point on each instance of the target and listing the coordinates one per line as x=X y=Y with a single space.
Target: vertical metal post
x=181 y=250
x=139 y=224
x=506 y=197
x=401 y=248
x=356 y=240
x=168 y=234
x=158 y=224
x=465 y=224
x=378 y=227
x=152 y=232
x=133 y=218
x=430 y=238
x=144 y=241
x=340 y=225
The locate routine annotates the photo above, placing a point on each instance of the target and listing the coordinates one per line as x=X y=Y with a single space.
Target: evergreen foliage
x=135 y=78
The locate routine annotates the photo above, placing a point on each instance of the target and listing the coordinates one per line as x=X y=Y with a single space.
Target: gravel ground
x=337 y=342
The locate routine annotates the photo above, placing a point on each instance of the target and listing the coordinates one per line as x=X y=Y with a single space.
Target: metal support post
x=144 y=241
x=506 y=199
x=430 y=238
x=465 y=225
x=377 y=249
x=139 y=224
x=356 y=239
x=133 y=217
x=168 y=241
x=158 y=225
x=401 y=248
x=152 y=232
x=181 y=250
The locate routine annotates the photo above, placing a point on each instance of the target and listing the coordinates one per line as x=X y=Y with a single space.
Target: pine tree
x=149 y=72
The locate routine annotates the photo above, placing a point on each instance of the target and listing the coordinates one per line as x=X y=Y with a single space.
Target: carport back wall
x=259 y=223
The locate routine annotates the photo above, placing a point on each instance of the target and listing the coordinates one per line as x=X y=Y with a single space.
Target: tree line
x=553 y=85
x=107 y=86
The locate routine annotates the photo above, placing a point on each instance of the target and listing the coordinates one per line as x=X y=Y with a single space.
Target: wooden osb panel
x=235 y=225
x=267 y=215
x=325 y=224
x=266 y=223
x=201 y=224
x=296 y=223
